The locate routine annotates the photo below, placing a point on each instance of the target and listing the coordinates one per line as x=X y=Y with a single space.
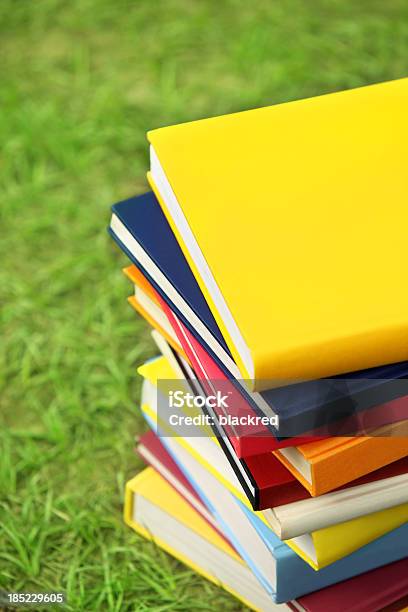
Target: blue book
x=142 y=231
x=161 y=259
x=281 y=572
x=296 y=578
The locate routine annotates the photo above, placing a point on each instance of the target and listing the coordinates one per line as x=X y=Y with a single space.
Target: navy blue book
x=141 y=230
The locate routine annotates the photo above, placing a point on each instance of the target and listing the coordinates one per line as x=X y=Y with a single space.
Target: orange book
x=146 y=303
x=325 y=465
x=139 y=279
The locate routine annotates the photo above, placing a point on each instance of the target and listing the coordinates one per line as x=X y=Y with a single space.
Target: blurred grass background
x=81 y=83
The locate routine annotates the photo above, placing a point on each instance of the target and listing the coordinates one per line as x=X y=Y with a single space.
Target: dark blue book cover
x=147 y=223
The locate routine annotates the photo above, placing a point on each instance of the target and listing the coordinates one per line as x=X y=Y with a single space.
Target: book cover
x=369 y=592
x=140 y=228
x=328 y=464
x=272 y=176
x=356 y=594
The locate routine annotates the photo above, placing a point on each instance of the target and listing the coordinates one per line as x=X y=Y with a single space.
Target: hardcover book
x=183 y=533
x=327 y=464
x=269 y=176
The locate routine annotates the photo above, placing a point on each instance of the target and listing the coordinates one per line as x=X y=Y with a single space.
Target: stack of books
x=270 y=259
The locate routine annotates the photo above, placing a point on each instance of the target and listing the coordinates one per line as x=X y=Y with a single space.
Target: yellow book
x=156 y=511
x=294 y=221
x=319 y=548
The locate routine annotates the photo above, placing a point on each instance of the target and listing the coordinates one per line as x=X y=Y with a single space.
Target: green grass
x=81 y=83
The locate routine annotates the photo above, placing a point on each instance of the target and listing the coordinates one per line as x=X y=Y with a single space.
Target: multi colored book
x=277 y=408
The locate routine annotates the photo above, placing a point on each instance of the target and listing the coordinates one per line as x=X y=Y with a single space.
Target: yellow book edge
x=248 y=376
x=360 y=532
x=331 y=543
x=150 y=480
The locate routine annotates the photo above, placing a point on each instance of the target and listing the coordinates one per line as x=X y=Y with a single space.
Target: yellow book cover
x=198 y=545
x=319 y=548
x=294 y=221
x=154 y=487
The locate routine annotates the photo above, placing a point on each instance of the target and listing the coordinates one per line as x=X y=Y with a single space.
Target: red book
x=249 y=439
x=370 y=592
